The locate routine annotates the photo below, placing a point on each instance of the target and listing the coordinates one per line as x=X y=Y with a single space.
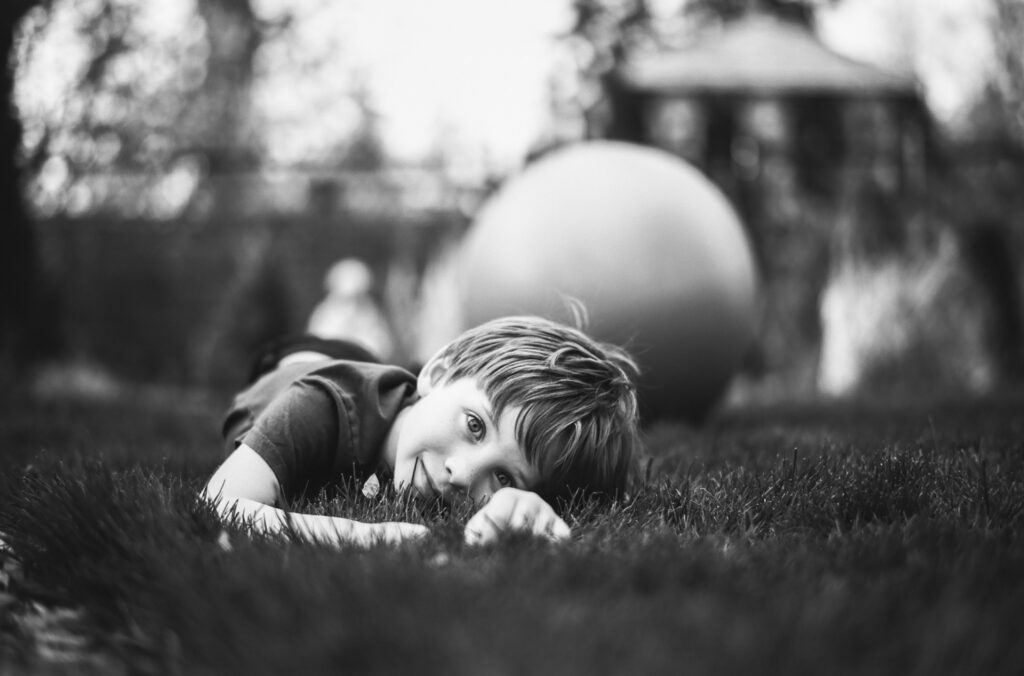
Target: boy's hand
x=511 y=510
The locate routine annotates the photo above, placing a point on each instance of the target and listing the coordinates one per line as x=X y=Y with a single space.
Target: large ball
x=650 y=246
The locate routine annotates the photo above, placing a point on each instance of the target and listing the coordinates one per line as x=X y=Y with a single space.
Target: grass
x=880 y=537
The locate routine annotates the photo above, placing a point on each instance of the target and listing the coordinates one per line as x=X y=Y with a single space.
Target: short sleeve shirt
x=319 y=423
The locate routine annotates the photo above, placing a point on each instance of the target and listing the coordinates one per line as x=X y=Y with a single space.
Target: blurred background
x=179 y=178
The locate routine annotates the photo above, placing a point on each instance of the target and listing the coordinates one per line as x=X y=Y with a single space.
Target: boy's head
x=574 y=399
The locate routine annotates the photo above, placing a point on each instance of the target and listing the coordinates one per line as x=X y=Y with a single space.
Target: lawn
x=871 y=537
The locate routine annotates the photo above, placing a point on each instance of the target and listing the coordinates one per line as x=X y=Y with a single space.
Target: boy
x=509 y=413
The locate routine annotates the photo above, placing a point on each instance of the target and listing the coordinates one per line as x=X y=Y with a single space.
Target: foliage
x=603 y=34
x=1008 y=34
x=112 y=98
x=131 y=107
x=872 y=537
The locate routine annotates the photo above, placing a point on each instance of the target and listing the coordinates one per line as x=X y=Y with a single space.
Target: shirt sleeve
x=297 y=436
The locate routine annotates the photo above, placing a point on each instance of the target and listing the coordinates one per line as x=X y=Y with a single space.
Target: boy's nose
x=457 y=474
x=462 y=472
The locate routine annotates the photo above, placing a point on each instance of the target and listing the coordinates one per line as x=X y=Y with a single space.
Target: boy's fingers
x=551 y=527
x=524 y=517
x=481 y=529
x=538 y=518
x=473 y=536
x=559 y=530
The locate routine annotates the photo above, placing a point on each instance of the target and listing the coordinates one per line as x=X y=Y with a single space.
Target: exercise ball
x=653 y=250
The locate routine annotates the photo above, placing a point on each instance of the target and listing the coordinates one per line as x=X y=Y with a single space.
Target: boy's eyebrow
x=486 y=406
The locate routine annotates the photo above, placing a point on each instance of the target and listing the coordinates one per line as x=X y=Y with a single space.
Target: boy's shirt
x=315 y=423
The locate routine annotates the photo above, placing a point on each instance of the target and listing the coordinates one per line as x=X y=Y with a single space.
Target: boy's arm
x=511 y=510
x=245 y=486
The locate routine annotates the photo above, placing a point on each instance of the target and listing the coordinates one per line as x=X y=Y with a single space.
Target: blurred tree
x=986 y=155
x=149 y=105
x=219 y=118
x=116 y=106
x=1008 y=34
x=365 y=149
x=127 y=103
x=19 y=266
x=986 y=199
x=219 y=123
x=602 y=35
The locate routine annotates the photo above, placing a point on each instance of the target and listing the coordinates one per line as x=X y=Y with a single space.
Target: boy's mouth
x=425 y=484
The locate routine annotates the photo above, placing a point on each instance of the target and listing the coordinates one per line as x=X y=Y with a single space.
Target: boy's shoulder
x=351 y=376
x=355 y=381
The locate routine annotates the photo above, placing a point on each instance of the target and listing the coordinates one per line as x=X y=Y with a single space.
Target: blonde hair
x=579 y=420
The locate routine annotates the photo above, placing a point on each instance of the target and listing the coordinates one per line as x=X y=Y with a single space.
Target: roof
x=761 y=55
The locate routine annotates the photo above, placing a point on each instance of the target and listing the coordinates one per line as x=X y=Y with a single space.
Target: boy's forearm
x=270 y=520
x=316 y=528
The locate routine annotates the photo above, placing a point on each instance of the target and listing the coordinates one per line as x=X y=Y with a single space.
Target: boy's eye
x=505 y=479
x=475 y=426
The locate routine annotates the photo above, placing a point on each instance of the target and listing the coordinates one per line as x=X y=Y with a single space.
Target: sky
x=468 y=75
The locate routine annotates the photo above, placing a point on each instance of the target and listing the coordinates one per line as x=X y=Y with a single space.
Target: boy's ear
x=432 y=374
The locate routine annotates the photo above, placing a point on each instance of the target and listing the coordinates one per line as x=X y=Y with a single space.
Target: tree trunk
x=221 y=115
x=19 y=265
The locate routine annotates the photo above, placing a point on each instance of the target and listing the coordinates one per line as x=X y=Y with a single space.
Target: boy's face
x=449 y=442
